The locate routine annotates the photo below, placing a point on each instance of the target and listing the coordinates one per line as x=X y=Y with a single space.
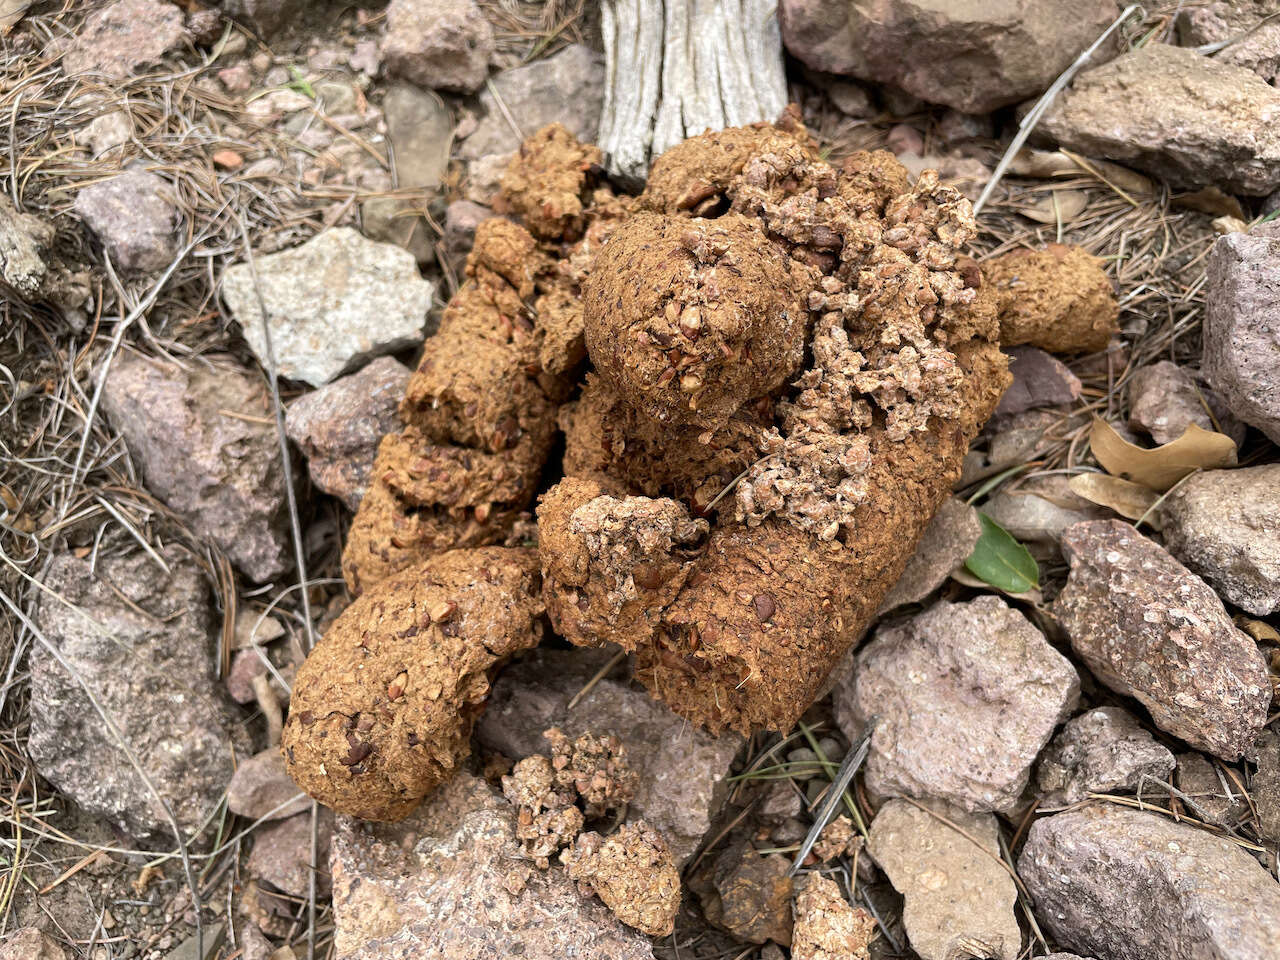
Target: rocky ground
x=1074 y=683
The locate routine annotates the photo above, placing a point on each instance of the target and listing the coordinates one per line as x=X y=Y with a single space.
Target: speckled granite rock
x=1104 y=750
x=134 y=216
x=1149 y=628
x=445 y=44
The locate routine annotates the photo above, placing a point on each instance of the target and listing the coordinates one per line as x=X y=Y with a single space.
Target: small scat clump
x=632 y=872
x=826 y=926
x=382 y=709
x=1058 y=299
x=595 y=768
x=837 y=839
x=547 y=819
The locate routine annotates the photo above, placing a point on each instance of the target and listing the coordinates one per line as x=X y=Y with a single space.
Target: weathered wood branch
x=678 y=67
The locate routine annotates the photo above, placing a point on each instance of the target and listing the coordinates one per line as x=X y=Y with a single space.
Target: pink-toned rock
x=134 y=216
x=260 y=788
x=245 y=665
x=1149 y=628
x=339 y=426
x=974 y=57
x=451 y=883
x=30 y=943
x=120 y=39
x=1249 y=28
x=1164 y=399
x=281 y=853
x=1102 y=751
x=1039 y=380
x=1133 y=885
x=946 y=544
x=967 y=695
x=445 y=44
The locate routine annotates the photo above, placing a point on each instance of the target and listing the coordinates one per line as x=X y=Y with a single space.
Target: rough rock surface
x=1189 y=119
x=221 y=472
x=134 y=216
x=1242 y=330
x=260 y=787
x=1039 y=380
x=142 y=639
x=1250 y=25
x=30 y=943
x=281 y=853
x=1225 y=525
x=333 y=302
x=955 y=892
x=1164 y=400
x=967 y=695
x=567 y=88
x=1215 y=797
x=1130 y=885
x=1265 y=786
x=945 y=545
x=121 y=38
x=421 y=131
x=267 y=17
x=339 y=426
x=1149 y=628
x=750 y=895
x=1104 y=750
x=1041 y=508
x=971 y=56
x=680 y=768
x=450 y=883
x=444 y=44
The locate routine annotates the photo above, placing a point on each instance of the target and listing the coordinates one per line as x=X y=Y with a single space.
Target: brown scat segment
x=633 y=873
x=382 y=709
x=827 y=927
x=1058 y=299
x=689 y=319
x=594 y=768
x=548 y=183
x=611 y=564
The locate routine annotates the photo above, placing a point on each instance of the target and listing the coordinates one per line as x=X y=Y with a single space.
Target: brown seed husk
x=382 y=709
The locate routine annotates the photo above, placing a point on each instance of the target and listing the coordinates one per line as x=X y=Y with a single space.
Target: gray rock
x=260 y=787
x=1131 y=885
x=339 y=426
x=971 y=56
x=681 y=768
x=1039 y=380
x=421 y=132
x=134 y=217
x=333 y=303
x=143 y=642
x=266 y=17
x=945 y=545
x=851 y=99
x=396 y=220
x=450 y=883
x=1040 y=509
x=1192 y=120
x=1101 y=751
x=955 y=892
x=281 y=853
x=108 y=131
x=445 y=44
x=1265 y=786
x=119 y=39
x=1242 y=329
x=1213 y=797
x=1251 y=27
x=219 y=471
x=461 y=219
x=30 y=943
x=24 y=244
x=1225 y=525
x=1164 y=399
x=566 y=88
x=967 y=695
x=484 y=178
x=1149 y=628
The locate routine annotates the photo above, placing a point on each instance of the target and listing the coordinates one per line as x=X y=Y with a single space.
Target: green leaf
x=300 y=83
x=1000 y=560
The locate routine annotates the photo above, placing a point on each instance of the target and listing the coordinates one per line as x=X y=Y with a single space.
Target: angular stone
x=206 y=448
x=1040 y=509
x=261 y=788
x=266 y=17
x=956 y=893
x=1039 y=380
x=1225 y=525
x=1164 y=400
x=461 y=218
x=24 y=244
x=450 y=883
x=1149 y=628
x=442 y=44
x=29 y=943
x=681 y=768
x=421 y=131
x=395 y=220
x=1192 y=120
x=334 y=302
x=1101 y=751
x=339 y=426
x=142 y=640
x=281 y=853
x=1242 y=329
x=1265 y=787
x=1250 y=26
x=1131 y=885
x=566 y=88
x=974 y=57
x=1213 y=797
x=134 y=217
x=967 y=695
x=750 y=895
x=245 y=666
x=121 y=38
x=945 y=545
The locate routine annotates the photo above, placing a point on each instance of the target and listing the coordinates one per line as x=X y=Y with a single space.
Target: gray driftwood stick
x=678 y=67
